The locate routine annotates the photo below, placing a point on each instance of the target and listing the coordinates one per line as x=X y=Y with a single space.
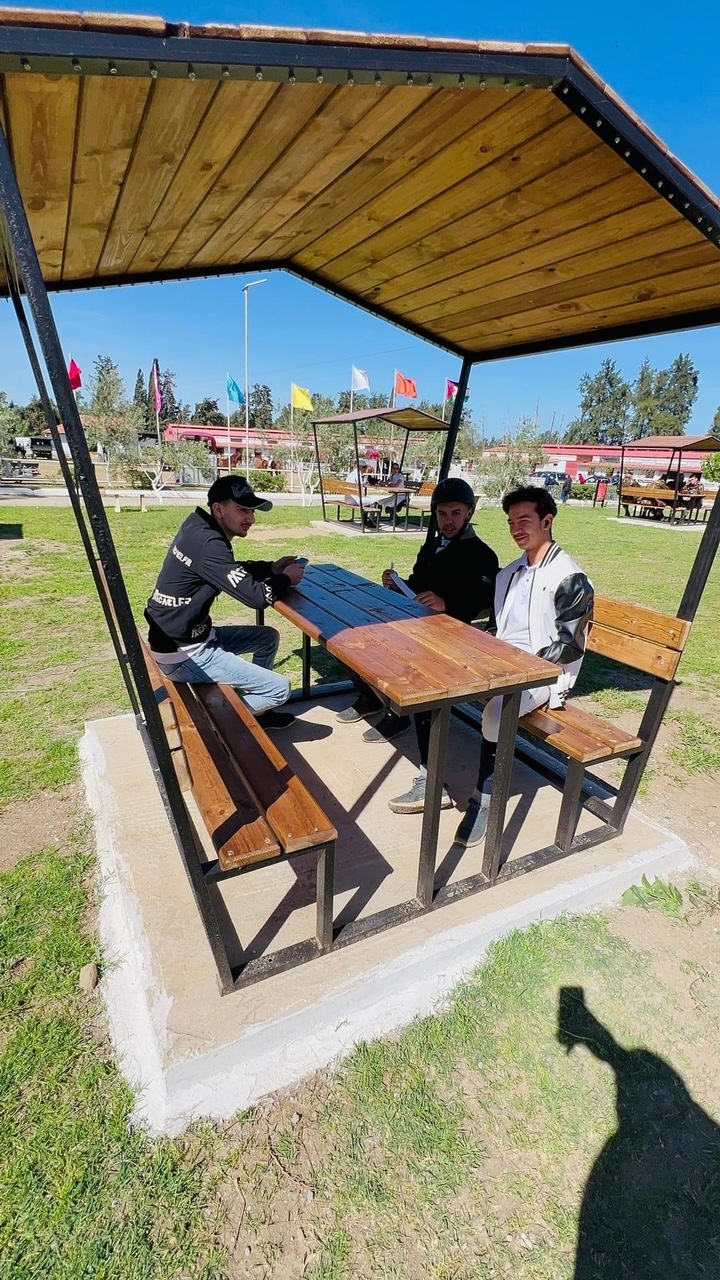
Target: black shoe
x=359 y=709
x=275 y=719
x=387 y=728
x=473 y=826
x=413 y=801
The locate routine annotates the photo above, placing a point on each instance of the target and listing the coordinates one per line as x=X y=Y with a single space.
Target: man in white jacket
x=543 y=603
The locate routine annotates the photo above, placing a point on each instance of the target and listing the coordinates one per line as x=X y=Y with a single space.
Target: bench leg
x=325 y=891
x=117 y=505
x=570 y=807
x=143 y=503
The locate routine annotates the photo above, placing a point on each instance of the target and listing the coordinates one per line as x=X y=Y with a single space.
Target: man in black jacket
x=197 y=568
x=454 y=573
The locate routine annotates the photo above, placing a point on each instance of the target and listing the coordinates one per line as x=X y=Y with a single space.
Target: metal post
x=23 y=248
x=622 y=477
x=702 y=565
x=246 y=289
x=455 y=417
x=439 y=724
x=320 y=478
x=359 y=479
x=501 y=784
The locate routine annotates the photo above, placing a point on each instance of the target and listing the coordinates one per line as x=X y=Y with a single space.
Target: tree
x=207 y=413
x=644 y=403
x=169 y=412
x=676 y=389
x=12 y=423
x=605 y=402
x=106 y=388
x=523 y=453
x=715 y=428
x=261 y=408
x=140 y=395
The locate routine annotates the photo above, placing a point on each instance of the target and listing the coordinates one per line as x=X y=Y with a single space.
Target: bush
x=268 y=482
x=583 y=491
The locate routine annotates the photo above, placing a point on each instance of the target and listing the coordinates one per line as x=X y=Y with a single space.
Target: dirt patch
x=299 y=533
x=29 y=825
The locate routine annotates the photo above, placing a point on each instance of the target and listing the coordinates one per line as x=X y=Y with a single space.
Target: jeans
x=219 y=662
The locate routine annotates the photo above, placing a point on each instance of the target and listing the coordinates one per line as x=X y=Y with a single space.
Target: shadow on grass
x=10 y=532
x=651 y=1204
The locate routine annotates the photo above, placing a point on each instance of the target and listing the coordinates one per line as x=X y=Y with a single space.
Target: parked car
x=549 y=478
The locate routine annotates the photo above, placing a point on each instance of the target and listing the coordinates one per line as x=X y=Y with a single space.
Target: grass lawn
x=467 y=1148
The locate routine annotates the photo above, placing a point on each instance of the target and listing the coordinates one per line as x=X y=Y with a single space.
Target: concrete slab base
x=686 y=526
x=190 y=1053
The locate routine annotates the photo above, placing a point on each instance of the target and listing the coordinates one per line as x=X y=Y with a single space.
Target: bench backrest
x=637 y=637
x=331 y=485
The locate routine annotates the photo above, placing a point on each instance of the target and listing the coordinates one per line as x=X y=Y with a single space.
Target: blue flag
x=234 y=392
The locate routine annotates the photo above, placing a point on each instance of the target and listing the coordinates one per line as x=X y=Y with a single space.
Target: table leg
x=439 y=724
x=501 y=784
x=306 y=672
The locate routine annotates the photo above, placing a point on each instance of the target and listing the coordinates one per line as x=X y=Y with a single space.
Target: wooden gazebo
x=494 y=199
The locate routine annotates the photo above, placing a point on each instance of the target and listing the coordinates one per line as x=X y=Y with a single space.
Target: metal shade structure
x=674 y=447
x=407 y=419
x=494 y=199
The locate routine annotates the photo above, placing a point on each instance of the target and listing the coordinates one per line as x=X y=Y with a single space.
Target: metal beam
x=455 y=418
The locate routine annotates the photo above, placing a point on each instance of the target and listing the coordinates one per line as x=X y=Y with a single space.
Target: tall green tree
x=140 y=397
x=715 y=427
x=676 y=389
x=644 y=403
x=12 y=423
x=605 y=405
x=261 y=408
x=207 y=414
x=169 y=411
x=106 y=388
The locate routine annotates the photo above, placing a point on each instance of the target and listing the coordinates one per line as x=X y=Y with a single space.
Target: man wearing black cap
x=454 y=573
x=197 y=568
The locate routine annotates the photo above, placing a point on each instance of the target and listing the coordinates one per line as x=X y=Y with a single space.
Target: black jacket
x=199 y=565
x=463 y=574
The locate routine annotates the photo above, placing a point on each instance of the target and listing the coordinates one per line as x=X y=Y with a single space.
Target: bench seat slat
x=295 y=817
x=237 y=828
x=580 y=735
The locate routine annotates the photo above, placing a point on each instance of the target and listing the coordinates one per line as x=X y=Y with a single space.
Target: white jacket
x=561 y=604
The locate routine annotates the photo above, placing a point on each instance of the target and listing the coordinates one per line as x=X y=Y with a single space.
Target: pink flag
x=156 y=387
x=75 y=375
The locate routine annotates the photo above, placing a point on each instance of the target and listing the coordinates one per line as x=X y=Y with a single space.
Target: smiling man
x=198 y=567
x=543 y=603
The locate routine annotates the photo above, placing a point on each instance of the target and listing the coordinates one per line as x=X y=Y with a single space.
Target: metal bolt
x=409 y=78
x=319 y=77
x=25 y=64
x=258 y=73
x=350 y=78
x=191 y=71
x=76 y=65
x=291 y=76
x=461 y=82
x=153 y=71
x=112 y=68
x=225 y=73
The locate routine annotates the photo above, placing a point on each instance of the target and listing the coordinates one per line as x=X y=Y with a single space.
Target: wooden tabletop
x=411 y=655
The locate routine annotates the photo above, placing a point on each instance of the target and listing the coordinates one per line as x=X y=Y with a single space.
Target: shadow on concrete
x=651 y=1206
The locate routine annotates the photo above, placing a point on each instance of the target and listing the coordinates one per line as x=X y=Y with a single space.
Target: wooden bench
x=419 y=501
x=343 y=493
x=646 y=641
x=121 y=495
x=254 y=808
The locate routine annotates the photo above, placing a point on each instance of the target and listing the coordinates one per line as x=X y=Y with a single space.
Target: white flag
x=360 y=380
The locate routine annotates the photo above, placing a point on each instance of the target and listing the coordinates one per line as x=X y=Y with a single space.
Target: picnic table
x=419 y=661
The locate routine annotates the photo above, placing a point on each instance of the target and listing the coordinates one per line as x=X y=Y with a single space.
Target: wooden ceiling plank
x=589 y=306
x=289 y=111
x=323 y=137
x=111 y=111
x=438 y=122
x=537 y=160
x=379 y=119
x=533 y=243
x=692 y=302
x=628 y=254
x=232 y=114
x=175 y=110
x=43 y=116
x=520 y=118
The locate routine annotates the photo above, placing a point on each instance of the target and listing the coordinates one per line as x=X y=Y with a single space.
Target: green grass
x=698 y=748
x=58 y=669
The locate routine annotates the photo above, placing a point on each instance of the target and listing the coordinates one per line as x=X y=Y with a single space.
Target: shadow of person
x=651 y=1206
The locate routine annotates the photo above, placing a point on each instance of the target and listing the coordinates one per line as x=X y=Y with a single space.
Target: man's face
x=526 y=527
x=451 y=516
x=235 y=520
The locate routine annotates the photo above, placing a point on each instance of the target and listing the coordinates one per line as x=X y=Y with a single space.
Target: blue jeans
x=220 y=663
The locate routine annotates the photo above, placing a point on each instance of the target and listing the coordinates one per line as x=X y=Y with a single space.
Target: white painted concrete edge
x=280 y=1053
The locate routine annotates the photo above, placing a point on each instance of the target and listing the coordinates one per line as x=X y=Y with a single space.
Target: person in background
x=543 y=603
x=200 y=565
x=395 y=480
x=566 y=490
x=693 y=492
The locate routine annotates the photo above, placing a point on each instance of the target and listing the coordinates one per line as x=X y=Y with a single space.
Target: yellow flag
x=301 y=398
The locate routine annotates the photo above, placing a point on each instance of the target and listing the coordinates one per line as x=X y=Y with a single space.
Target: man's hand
x=387 y=579
x=294 y=571
x=431 y=601
x=280 y=566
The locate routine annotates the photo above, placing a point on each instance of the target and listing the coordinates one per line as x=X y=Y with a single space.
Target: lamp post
x=246 y=290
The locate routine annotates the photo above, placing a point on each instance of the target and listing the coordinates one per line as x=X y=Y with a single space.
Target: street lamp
x=246 y=289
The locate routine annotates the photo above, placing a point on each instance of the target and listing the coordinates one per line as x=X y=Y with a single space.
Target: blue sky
x=661 y=58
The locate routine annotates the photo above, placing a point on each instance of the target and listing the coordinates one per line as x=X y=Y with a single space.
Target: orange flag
x=405 y=386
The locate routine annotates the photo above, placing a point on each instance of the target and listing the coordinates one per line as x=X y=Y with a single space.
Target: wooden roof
x=698 y=444
x=493 y=198
x=408 y=418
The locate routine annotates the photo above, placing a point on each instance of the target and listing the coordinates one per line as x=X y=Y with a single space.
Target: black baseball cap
x=236 y=489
